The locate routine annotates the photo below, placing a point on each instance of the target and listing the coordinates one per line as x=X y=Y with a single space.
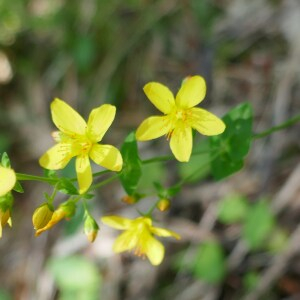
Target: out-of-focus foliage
x=76 y=277
x=232 y=209
x=209 y=263
x=258 y=224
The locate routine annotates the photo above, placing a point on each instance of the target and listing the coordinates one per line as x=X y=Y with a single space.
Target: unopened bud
x=41 y=216
x=68 y=209
x=91 y=228
x=163 y=204
x=129 y=199
x=4 y=219
x=65 y=210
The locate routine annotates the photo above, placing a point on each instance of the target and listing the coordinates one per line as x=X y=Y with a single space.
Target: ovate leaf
x=132 y=171
x=66 y=186
x=229 y=149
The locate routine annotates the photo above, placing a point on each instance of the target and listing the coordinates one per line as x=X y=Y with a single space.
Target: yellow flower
x=180 y=116
x=138 y=235
x=64 y=211
x=80 y=139
x=7 y=180
x=4 y=219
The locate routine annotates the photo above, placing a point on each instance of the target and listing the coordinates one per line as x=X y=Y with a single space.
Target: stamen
x=169 y=134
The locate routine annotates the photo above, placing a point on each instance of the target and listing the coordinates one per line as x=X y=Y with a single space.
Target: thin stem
x=101 y=173
x=157 y=159
x=184 y=180
x=169 y=157
x=22 y=177
x=104 y=182
x=151 y=209
x=281 y=126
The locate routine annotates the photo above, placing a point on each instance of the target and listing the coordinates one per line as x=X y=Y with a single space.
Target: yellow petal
x=84 y=173
x=107 y=156
x=164 y=232
x=117 y=222
x=57 y=216
x=153 y=127
x=125 y=242
x=155 y=250
x=160 y=96
x=58 y=156
x=205 y=122
x=7 y=180
x=191 y=93
x=99 y=121
x=67 y=119
x=181 y=143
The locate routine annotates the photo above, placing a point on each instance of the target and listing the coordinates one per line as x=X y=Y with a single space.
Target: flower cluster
x=80 y=139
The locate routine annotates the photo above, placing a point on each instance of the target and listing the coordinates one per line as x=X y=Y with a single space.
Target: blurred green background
x=104 y=51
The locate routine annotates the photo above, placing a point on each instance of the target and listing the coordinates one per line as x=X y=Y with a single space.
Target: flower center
x=86 y=146
x=181 y=115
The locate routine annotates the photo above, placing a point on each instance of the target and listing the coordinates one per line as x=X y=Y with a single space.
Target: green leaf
x=18 y=187
x=66 y=186
x=50 y=173
x=5 y=295
x=151 y=173
x=209 y=264
x=232 y=209
x=84 y=52
x=229 y=149
x=5 y=162
x=250 y=280
x=132 y=171
x=258 y=224
x=167 y=193
x=198 y=165
x=277 y=241
x=77 y=277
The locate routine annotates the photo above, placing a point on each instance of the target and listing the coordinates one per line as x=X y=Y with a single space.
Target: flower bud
x=91 y=228
x=65 y=210
x=68 y=209
x=5 y=218
x=41 y=216
x=129 y=199
x=163 y=204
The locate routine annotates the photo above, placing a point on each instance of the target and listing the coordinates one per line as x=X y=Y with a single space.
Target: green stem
x=94 y=174
x=104 y=182
x=281 y=126
x=52 y=197
x=76 y=198
x=151 y=209
x=168 y=157
x=22 y=177
x=100 y=173
x=157 y=159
